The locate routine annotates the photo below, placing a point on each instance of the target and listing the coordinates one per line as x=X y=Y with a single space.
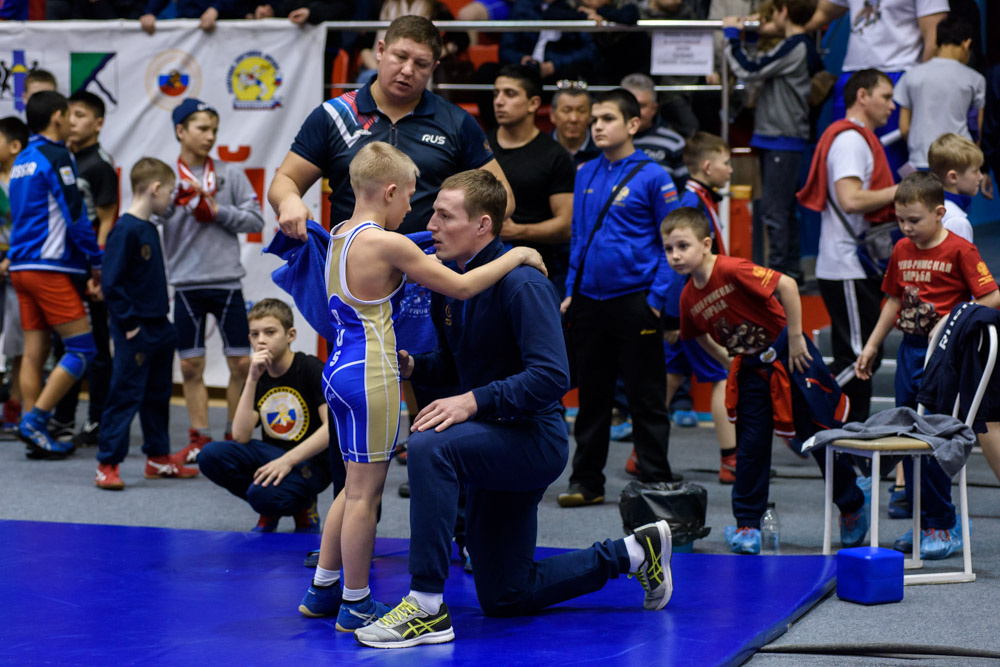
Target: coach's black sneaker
x=654 y=573
x=578 y=496
x=87 y=436
x=408 y=625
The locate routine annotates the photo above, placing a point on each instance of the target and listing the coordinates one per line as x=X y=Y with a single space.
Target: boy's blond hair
x=686 y=217
x=379 y=164
x=951 y=151
x=920 y=187
x=275 y=308
x=700 y=147
x=147 y=171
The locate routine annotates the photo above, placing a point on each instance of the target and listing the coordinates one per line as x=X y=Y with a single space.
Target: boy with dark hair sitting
x=930 y=272
x=282 y=473
x=731 y=306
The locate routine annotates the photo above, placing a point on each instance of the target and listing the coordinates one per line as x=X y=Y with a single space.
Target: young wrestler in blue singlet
x=366 y=268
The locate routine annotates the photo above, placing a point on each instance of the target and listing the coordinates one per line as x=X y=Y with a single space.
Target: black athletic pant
x=608 y=337
x=854 y=307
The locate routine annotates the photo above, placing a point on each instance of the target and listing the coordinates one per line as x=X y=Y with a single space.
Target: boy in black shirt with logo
x=281 y=474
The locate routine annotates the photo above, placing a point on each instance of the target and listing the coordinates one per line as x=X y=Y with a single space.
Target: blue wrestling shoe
x=307 y=520
x=360 y=614
x=935 y=544
x=321 y=601
x=34 y=432
x=899 y=508
x=743 y=540
x=621 y=431
x=266 y=524
x=685 y=418
x=854 y=525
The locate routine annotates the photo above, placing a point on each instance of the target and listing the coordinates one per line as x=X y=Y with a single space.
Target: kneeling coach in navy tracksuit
x=503 y=437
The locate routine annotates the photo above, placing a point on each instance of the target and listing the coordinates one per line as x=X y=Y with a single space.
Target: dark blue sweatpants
x=506 y=467
x=141 y=381
x=936 y=508
x=754 y=436
x=231 y=465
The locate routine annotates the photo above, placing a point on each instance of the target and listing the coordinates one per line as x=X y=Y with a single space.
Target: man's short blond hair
x=951 y=151
x=484 y=195
x=147 y=171
x=377 y=165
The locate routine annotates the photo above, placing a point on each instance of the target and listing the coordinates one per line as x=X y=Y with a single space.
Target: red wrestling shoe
x=727 y=469
x=107 y=478
x=168 y=467
x=632 y=465
x=195 y=442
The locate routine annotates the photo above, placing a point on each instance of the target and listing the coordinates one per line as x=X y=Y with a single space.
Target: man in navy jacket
x=503 y=437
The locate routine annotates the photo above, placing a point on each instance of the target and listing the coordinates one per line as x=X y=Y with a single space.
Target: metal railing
x=649 y=26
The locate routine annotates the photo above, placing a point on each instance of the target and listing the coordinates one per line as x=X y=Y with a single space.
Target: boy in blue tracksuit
x=134 y=284
x=616 y=286
x=51 y=240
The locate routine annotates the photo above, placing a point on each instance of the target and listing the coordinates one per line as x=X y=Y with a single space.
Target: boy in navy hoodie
x=134 y=284
x=617 y=284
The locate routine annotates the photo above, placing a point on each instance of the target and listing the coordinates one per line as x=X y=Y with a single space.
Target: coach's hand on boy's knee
x=444 y=412
x=798 y=353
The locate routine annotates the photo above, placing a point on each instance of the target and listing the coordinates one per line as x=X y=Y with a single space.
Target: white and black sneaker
x=87 y=437
x=61 y=431
x=654 y=573
x=408 y=625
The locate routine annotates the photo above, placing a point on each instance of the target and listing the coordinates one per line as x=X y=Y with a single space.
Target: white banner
x=263 y=77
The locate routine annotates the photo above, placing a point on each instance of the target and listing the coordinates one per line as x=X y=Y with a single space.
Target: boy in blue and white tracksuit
x=51 y=238
x=616 y=289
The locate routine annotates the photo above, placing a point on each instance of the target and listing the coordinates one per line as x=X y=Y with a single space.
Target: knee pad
x=80 y=351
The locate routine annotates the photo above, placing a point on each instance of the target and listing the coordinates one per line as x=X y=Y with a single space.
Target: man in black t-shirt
x=540 y=171
x=98 y=183
x=281 y=474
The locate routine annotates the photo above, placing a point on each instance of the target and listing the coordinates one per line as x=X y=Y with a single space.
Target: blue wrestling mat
x=75 y=594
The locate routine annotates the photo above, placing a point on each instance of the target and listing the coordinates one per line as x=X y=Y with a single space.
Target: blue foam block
x=870 y=575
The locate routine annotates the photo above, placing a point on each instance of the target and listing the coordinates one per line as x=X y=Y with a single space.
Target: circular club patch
x=283 y=414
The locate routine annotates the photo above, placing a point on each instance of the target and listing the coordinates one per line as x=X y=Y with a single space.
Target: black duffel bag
x=682 y=504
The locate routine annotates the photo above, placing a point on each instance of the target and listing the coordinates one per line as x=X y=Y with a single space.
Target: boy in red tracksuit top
x=930 y=272
x=729 y=306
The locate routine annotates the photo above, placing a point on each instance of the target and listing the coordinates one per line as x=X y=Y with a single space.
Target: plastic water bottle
x=770 y=532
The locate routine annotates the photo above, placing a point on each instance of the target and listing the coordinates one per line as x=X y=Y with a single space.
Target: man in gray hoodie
x=214 y=203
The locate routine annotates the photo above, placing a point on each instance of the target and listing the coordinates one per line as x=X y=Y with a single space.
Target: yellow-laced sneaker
x=654 y=573
x=408 y=625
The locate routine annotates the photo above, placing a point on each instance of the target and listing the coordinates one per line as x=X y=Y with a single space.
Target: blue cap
x=189 y=106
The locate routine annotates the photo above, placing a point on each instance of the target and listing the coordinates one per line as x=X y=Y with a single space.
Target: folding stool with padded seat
x=905 y=446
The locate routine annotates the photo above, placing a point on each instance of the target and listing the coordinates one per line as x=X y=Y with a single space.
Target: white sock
x=355 y=594
x=636 y=554
x=324 y=578
x=429 y=602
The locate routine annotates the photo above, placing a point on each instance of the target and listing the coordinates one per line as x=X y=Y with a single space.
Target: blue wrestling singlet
x=361 y=378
